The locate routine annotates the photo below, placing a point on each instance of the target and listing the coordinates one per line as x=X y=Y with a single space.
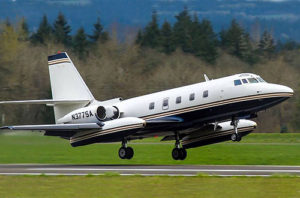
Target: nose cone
x=285 y=89
x=281 y=89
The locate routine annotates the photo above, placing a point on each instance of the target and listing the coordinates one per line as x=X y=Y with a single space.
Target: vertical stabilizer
x=66 y=84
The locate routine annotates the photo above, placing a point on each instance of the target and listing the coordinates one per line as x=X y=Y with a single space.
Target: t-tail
x=66 y=84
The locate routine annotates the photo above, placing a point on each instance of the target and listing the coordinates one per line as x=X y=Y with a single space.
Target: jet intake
x=108 y=112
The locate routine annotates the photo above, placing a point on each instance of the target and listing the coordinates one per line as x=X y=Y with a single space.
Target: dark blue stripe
x=57 y=56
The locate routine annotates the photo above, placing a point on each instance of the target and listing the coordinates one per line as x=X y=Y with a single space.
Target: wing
x=55 y=127
x=87 y=133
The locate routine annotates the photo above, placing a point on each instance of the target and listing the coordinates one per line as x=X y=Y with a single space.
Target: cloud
x=279 y=17
x=64 y=2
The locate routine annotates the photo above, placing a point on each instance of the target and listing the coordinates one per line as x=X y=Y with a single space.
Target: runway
x=146 y=170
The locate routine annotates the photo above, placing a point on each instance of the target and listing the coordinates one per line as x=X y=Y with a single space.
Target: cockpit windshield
x=252 y=80
x=260 y=79
x=248 y=80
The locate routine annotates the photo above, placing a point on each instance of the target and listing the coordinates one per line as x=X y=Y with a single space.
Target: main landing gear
x=236 y=137
x=125 y=152
x=178 y=153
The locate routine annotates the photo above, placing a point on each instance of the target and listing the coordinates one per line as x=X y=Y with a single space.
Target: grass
x=139 y=186
x=255 y=149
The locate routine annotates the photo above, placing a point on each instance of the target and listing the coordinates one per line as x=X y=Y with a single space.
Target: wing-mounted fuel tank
x=93 y=113
x=211 y=135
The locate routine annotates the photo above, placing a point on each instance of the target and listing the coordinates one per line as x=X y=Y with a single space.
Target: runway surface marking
x=147 y=170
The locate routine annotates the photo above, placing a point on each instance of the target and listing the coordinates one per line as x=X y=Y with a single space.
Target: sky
x=282 y=17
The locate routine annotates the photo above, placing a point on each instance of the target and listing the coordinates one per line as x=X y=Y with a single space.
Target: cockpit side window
x=252 y=80
x=244 y=81
x=260 y=79
x=237 y=82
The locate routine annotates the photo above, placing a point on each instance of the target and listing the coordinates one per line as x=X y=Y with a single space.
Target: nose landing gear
x=236 y=137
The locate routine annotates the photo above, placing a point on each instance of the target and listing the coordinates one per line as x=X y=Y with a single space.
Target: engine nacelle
x=108 y=112
x=91 y=114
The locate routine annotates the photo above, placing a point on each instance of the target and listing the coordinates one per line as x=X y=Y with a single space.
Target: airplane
x=195 y=115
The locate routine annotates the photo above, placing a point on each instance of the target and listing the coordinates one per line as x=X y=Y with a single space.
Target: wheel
x=239 y=138
x=182 y=154
x=122 y=153
x=129 y=153
x=176 y=154
x=236 y=137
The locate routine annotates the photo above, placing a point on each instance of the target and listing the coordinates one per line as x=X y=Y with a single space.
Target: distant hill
x=280 y=16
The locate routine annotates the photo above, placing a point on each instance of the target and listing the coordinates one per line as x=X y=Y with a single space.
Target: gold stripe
x=105 y=132
x=64 y=60
x=216 y=135
x=203 y=106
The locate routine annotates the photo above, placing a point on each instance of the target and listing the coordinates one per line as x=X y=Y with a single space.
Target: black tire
x=129 y=153
x=183 y=154
x=176 y=154
x=122 y=153
x=234 y=137
x=239 y=138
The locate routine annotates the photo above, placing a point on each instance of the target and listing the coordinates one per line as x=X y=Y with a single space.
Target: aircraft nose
x=285 y=89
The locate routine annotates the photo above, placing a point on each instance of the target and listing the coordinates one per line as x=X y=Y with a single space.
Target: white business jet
x=195 y=115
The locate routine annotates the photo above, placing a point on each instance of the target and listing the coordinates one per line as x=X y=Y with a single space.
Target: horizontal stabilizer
x=47 y=101
x=56 y=127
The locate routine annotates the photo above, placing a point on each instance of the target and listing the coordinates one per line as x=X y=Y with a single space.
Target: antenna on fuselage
x=206 y=78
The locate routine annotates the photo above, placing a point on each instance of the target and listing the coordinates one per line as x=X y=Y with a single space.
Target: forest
x=154 y=58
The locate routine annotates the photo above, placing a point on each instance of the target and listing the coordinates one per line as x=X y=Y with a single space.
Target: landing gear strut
x=236 y=137
x=125 y=152
x=178 y=153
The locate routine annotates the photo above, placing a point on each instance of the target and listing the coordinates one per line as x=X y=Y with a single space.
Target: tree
x=167 y=42
x=44 y=32
x=183 y=31
x=151 y=36
x=236 y=41
x=266 y=44
x=62 y=30
x=23 y=30
x=204 y=40
x=98 y=33
x=80 y=43
x=139 y=37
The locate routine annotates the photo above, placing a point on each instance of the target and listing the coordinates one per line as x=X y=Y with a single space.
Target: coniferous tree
x=167 y=42
x=266 y=44
x=235 y=40
x=98 y=33
x=23 y=30
x=43 y=33
x=151 y=37
x=183 y=31
x=62 y=30
x=139 y=37
x=204 y=40
x=80 y=43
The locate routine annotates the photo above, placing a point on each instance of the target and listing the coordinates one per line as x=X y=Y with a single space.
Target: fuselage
x=237 y=95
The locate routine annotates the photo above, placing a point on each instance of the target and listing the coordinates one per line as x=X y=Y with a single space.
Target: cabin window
x=205 y=94
x=151 y=105
x=244 y=81
x=165 y=104
x=192 y=96
x=178 y=100
x=252 y=80
x=237 y=82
